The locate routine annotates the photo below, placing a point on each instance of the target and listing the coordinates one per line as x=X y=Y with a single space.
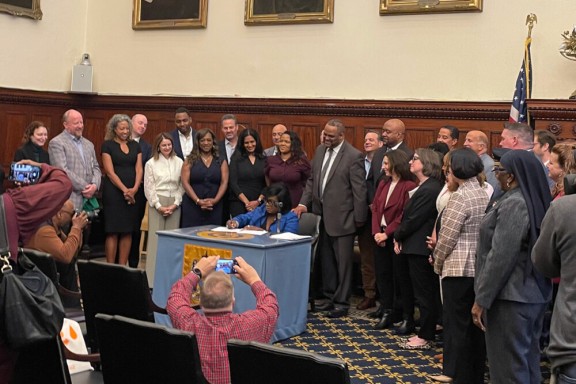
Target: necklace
x=206 y=160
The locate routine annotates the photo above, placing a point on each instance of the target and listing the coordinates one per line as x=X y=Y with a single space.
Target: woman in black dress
x=247 y=173
x=122 y=160
x=205 y=180
x=35 y=136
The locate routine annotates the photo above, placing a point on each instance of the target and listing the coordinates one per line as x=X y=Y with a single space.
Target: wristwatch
x=197 y=272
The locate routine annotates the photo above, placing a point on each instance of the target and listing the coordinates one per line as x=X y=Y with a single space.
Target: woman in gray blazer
x=511 y=296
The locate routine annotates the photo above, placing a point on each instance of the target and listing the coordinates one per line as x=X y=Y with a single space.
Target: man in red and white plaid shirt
x=219 y=324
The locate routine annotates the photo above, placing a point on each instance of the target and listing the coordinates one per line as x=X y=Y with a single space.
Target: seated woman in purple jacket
x=277 y=209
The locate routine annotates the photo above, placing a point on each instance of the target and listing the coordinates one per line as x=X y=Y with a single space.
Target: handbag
x=30 y=308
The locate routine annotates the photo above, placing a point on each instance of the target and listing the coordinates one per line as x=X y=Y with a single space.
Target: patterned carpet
x=373 y=356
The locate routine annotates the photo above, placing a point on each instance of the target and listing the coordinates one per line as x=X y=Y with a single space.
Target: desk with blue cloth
x=283 y=265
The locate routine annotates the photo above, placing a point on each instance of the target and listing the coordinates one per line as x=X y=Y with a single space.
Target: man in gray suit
x=277 y=132
x=336 y=190
x=75 y=154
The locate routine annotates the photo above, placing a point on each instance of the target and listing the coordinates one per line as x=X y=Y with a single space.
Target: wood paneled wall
x=306 y=117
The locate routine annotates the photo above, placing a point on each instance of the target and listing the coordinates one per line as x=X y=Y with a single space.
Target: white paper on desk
x=225 y=229
x=253 y=232
x=289 y=236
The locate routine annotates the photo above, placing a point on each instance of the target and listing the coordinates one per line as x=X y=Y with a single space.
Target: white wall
x=469 y=56
x=39 y=54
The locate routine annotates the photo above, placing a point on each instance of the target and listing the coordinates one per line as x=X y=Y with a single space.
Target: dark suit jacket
x=375 y=170
x=146 y=151
x=222 y=150
x=176 y=143
x=343 y=203
x=418 y=219
x=395 y=207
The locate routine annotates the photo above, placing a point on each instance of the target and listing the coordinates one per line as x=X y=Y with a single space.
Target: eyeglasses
x=68 y=212
x=497 y=169
x=415 y=157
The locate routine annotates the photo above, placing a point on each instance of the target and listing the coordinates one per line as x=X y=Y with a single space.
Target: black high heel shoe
x=377 y=314
x=406 y=327
x=385 y=321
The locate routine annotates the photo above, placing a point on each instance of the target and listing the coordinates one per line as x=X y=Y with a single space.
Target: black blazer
x=146 y=151
x=222 y=150
x=418 y=218
x=176 y=143
x=375 y=170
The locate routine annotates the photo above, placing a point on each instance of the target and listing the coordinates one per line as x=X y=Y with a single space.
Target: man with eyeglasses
x=51 y=238
x=277 y=132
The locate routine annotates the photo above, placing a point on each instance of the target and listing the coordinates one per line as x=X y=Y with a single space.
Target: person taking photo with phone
x=218 y=324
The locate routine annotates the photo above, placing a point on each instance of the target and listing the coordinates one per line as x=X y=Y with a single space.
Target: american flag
x=523 y=91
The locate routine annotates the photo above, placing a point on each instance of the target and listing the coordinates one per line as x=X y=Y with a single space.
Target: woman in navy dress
x=205 y=180
x=122 y=161
x=247 y=174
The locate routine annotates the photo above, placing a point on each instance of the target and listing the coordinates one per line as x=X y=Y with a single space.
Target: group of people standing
x=187 y=177
x=461 y=248
x=452 y=230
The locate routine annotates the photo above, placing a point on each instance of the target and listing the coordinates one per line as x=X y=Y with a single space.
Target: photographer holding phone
x=51 y=238
x=219 y=324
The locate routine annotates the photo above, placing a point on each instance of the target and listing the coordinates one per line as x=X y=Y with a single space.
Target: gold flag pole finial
x=530 y=20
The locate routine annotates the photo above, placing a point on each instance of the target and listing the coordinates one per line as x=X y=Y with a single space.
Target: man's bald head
x=393 y=132
x=477 y=141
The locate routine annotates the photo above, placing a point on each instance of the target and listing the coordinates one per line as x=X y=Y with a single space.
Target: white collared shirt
x=187 y=143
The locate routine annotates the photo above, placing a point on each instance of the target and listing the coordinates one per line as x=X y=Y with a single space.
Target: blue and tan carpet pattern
x=373 y=356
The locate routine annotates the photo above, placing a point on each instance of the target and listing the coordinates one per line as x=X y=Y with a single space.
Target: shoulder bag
x=30 y=308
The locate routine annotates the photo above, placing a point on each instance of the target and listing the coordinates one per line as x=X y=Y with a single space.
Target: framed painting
x=169 y=14
x=27 y=8
x=404 y=7
x=267 y=12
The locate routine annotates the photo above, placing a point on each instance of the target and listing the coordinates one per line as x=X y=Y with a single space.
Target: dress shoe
x=337 y=312
x=440 y=378
x=406 y=327
x=324 y=306
x=377 y=313
x=385 y=321
x=366 y=304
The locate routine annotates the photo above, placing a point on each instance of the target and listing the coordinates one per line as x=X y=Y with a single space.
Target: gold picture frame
x=26 y=8
x=174 y=14
x=406 y=7
x=270 y=12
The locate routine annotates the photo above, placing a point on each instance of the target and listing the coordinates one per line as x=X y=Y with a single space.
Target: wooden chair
x=115 y=290
x=144 y=235
x=281 y=365
x=134 y=351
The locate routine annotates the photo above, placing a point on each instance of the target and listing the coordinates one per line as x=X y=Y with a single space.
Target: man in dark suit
x=393 y=133
x=229 y=126
x=139 y=125
x=183 y=135
x=336 y=190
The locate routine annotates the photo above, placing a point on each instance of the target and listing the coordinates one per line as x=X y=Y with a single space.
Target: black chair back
x=70 y=298
x=134 y=351
x=45 y=362
x=280 y=365
x=114 y=290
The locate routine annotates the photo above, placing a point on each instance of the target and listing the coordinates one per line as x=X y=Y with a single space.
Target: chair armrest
x=91 y=357
x=68 y=293
x=152 y=305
